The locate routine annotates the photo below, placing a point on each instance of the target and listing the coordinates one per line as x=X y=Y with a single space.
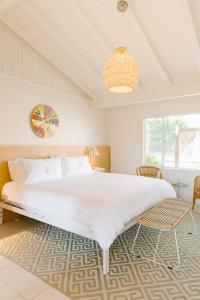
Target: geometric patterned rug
x=73 y=264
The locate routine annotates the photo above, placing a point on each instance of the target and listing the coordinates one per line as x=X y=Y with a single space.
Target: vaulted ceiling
x=78 y=36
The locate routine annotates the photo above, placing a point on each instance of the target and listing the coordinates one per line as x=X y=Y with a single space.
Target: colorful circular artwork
x=44 y=121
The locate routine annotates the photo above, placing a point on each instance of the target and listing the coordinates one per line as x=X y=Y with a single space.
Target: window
x=173 y=141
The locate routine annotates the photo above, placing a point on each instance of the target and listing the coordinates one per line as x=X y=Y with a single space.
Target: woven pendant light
x=121 y=72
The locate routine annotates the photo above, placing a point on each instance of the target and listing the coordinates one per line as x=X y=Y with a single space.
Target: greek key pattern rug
x=73 y=264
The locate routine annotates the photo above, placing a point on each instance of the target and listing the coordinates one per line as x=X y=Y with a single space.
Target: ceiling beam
x=172 y=92
x=152 y=48
x=5 y=4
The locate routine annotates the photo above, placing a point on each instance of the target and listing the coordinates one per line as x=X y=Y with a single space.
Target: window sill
x=180 y=169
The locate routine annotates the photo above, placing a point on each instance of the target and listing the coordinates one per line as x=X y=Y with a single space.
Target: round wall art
x=44 y=121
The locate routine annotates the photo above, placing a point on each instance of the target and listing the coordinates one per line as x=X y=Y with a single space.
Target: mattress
x=102 y=202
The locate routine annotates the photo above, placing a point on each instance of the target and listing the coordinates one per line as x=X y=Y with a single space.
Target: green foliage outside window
x=151 y=160
x=157 y=128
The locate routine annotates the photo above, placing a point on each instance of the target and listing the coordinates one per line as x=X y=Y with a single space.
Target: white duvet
x=104 y=202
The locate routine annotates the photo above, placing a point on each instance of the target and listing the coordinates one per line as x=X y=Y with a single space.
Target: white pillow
x=33 y=170
x=75 y=165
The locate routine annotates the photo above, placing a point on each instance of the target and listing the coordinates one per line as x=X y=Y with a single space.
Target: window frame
x=162 y=162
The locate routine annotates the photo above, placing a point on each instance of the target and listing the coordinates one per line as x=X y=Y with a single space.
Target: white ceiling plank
x=167 y=26
x=71 y=76
x=155 y=53
x=78 y=36
x=106 y=46
x=6 y=4
x=193 y=32
x=84 y=19
x=51 y=32
x=48 y=55
x=80 y=85
x=61 y=67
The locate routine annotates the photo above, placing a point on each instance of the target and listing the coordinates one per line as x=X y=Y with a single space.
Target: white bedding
x=103 y=202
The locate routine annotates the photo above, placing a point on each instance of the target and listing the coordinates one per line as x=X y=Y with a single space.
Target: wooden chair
x=149 y=171
x=196 y=192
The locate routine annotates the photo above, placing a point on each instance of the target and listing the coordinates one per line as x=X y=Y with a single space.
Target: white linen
x=34 y=170
x=104 y=202
x=75 y=165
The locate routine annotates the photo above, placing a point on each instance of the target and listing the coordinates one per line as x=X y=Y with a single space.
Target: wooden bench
x=166 y=215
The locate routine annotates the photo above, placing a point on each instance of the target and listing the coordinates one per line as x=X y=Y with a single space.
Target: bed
x=97 y=205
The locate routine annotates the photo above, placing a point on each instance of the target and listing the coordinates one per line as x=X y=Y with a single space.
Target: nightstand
x=99 y=169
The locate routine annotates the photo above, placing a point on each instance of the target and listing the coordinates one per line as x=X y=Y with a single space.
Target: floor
x=73 y=264
x=17 y=283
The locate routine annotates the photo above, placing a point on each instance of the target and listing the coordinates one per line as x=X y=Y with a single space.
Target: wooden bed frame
x=7 y=211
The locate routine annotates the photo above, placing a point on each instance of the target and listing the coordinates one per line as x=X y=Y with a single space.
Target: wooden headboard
x=9 y=152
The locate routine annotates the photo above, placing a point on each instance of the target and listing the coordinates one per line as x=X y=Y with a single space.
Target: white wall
x=79 y=123
x=125 y=135
x=28 y=79
x=20 y=60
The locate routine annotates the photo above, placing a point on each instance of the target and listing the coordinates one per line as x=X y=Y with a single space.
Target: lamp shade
x=121 y=72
